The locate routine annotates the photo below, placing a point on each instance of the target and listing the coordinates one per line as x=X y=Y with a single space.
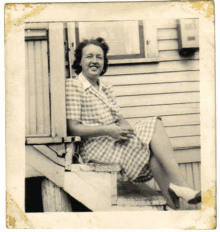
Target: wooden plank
x=183 y=203
x=150 y=35
x=158 y=99
x=156 y=88
x=72 y=45
x=35 y=34
x=197 y=178
x=168 y=33
x=190 y=119
x=57 y=77
x=70 y=149
x=130 y=194
x=183 y=65
x=174 y=55
x=94 y=167
x=50 y=154
x=189 y=177
x=58 y=148
x=187 y=156
x=181 y=142
x=164 y=45
x=54 y=199
x=39 y=89
x=44 y=165
x=160 y=110
x=45 y=77
x=137 y=208
x=183 y=130
x=91 y=188
x=176 y=120
x=72 y=139
x=152 y=78
x=114 y=188
x=27 y=105
x=196 y=174
x=31 y=172
x=32 y=89
x=42 y=140
x=36 y=26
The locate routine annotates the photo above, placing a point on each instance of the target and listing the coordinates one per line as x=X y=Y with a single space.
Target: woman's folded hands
x=120 y=132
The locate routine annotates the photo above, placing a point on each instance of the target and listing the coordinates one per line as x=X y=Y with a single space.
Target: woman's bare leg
x=162 y=180
x=163 y=152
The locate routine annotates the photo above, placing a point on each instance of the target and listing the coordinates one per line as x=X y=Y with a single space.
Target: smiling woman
x=143 y=151
x=92 y=63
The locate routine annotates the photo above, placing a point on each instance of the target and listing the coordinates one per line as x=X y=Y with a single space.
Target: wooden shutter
x=150 y=34
x=37 y=105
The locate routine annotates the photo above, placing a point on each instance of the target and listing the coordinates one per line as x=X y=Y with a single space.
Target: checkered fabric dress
x=91 y=108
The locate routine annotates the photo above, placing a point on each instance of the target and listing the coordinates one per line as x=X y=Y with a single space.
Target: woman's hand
x=119 y=132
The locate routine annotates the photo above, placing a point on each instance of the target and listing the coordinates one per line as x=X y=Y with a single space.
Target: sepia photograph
x=113 y=111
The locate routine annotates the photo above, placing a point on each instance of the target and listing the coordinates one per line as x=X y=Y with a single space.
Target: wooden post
x=54 y=198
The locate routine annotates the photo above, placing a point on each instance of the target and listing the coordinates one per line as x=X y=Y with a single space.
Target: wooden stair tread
x=130 y=194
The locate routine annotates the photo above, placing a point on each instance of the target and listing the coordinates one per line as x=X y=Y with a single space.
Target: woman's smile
x=92 y=61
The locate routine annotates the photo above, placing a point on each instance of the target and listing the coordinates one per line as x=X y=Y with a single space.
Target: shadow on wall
x=33 y=199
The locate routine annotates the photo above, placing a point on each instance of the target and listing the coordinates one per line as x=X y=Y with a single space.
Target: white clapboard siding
x=181 y=142
x=37 y=89
x=152 y=78
x=178 y=131
x=156 y=99
x=147 y=111
x=174 y=120
x=156 y=88
x=188 y=156
x=167 y=44
x=174 y=55
x=168 y=33
x=183 y=65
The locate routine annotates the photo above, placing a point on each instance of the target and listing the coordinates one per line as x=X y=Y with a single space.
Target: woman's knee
x=159 y=126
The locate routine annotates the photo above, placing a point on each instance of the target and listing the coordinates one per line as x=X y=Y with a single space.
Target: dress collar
x=86 y=84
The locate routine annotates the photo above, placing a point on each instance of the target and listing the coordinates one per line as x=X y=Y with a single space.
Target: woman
x=92 y=113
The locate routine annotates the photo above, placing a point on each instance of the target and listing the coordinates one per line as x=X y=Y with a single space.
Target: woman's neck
x=93 y=81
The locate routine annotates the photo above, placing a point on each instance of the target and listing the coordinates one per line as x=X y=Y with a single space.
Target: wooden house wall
x=169 y=89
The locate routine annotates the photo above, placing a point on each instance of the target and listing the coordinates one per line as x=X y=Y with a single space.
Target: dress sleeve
x=73 y=100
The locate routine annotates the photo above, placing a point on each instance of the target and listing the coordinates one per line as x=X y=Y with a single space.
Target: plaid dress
x=91 y=108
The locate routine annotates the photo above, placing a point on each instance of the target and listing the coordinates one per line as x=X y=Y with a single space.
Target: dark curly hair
x=78 y=54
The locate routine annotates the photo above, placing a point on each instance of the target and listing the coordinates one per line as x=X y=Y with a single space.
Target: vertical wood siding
x=37 y=89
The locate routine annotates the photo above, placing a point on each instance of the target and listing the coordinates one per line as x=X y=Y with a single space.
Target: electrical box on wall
x=188 y=36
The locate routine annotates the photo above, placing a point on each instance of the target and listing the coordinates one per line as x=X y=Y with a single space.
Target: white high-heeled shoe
x=190 y=195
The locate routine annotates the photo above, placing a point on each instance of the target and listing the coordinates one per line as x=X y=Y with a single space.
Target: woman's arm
x=75 y=128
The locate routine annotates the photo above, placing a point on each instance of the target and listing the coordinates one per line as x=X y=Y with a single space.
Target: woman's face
x=92 y=61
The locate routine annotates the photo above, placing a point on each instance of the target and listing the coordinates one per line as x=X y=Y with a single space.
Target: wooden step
x=138 y=195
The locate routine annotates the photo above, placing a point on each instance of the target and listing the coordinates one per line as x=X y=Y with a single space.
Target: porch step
x=139 y=197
